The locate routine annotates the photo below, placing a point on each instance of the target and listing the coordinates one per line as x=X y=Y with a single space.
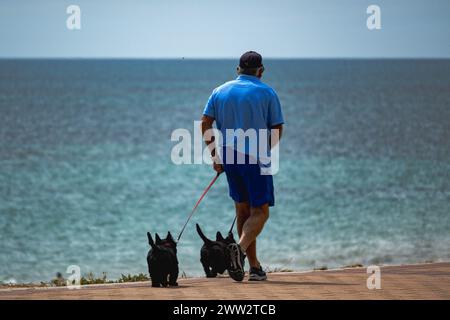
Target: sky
x=225 y=29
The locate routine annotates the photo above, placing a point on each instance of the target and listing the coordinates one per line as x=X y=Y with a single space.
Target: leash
x=196 y=205
x=232 y=225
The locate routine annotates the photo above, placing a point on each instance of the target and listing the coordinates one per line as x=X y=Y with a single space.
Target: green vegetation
x=356 y=265
x=134 y=278
x=90 y=278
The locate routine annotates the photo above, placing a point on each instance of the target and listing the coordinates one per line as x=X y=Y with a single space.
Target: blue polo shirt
x=244 y=103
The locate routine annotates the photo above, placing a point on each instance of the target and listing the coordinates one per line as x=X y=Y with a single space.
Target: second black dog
x=214 y=254
x=162 y=261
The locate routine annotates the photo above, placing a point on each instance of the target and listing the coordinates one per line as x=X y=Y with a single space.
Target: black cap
x=250 y=59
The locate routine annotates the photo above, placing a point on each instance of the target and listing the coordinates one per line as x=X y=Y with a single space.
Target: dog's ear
x=169 y=237
x=158 y=239
x=219 y=236
x=230 y=237
x=150 y=240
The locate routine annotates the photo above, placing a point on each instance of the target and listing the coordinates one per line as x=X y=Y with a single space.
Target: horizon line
x=223 y=58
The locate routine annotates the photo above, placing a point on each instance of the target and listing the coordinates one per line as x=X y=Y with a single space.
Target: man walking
x=240 y=106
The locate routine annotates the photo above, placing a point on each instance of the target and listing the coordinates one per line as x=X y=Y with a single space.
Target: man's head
x=250 y=64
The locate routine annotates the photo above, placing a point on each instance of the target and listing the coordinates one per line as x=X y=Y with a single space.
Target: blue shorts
x=247 y=184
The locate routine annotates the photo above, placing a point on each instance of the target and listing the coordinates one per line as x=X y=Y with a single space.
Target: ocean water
x=85 y=168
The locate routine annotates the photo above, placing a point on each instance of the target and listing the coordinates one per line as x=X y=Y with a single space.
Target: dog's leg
x=206 y=269
x=156 y=282
x=204 y=260
x=212 y=273
x=164 y=281
x=173 y=276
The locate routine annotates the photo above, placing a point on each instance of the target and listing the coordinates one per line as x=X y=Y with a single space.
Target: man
x=241 y=105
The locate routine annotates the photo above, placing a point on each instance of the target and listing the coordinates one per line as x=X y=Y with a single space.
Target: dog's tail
x=204 y=238
x=150 y=241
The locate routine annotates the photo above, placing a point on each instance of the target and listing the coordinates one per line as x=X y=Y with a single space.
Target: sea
x=86 y=167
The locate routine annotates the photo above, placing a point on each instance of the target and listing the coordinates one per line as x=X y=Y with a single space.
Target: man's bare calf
x=250 y=222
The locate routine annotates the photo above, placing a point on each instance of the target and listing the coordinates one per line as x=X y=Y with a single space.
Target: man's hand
x=217 y=166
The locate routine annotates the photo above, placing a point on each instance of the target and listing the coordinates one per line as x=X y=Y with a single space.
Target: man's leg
x=251 y=186
x=242 y=214
x=253 y=226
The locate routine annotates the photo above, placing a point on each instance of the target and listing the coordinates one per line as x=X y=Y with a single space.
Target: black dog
x=162 y=261
x=214 y=254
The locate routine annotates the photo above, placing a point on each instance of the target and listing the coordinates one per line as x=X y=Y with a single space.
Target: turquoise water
x=85 y=167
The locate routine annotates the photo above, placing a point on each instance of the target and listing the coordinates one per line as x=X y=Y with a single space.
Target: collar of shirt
x=248 y=77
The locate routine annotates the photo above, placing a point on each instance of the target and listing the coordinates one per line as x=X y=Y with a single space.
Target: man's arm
x=207 y=124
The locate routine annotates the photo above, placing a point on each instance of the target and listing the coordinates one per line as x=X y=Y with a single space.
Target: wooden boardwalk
x=422 y=281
